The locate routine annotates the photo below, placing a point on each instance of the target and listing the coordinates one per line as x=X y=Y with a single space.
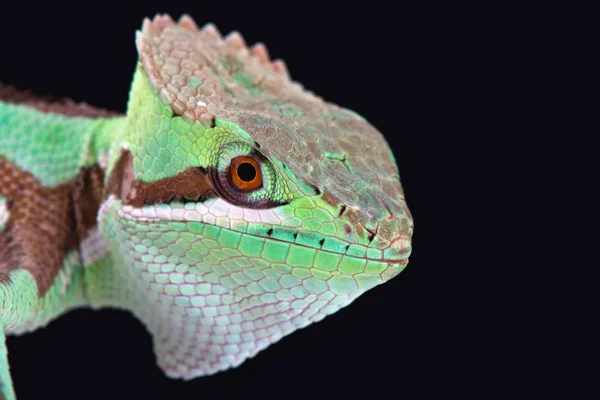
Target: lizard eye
x=245 y=173
x=244 y=177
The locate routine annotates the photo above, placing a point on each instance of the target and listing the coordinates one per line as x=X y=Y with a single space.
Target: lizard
x=226 y=208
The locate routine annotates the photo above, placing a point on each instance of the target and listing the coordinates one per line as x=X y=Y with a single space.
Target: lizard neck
x=51 y=180
x=88 y=190
x=88 y=196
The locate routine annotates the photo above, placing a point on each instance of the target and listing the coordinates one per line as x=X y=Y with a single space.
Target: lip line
x=383 y=260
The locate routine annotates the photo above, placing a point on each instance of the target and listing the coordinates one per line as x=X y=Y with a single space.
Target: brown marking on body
x=51 y=104
x=191 y=185
x=45 y=223
x=87 y=198
x=121 y=176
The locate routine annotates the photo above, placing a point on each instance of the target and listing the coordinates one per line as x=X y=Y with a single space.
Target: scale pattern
x=215 y=278
x=53 y=158
x=214 y=296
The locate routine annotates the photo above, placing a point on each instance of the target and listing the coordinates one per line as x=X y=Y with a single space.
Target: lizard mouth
x=264 y=224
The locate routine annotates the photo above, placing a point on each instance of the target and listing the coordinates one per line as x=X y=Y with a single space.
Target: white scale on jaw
x=213 y=211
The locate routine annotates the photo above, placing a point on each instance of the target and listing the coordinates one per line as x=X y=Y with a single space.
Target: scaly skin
x=215 y=272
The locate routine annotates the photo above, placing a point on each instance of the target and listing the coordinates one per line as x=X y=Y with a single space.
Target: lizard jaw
x=210 y=211
x=210 y=306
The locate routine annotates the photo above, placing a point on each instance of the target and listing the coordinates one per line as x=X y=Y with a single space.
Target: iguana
x=226 y=209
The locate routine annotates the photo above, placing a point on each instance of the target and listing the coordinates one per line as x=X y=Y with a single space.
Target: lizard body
x=226 y=209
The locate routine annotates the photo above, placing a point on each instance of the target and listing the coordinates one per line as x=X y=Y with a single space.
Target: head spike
x=187 y=22
x=211 y=31
x=235 y=40
x=259 y=50
x=280 y=68
x=163 y=21
x=147 y=27
x=138 y=37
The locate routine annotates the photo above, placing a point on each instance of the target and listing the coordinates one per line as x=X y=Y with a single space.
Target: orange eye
x=245 y=173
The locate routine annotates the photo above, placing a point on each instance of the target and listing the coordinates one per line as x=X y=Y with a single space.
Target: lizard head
x=243 y=207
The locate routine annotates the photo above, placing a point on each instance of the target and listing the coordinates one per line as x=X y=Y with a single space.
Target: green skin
x=213 y=282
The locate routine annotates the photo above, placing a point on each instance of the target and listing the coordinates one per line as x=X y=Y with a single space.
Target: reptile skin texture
x=151 y=212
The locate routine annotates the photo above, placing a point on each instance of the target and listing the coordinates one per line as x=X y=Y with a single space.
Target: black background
x=435 y=82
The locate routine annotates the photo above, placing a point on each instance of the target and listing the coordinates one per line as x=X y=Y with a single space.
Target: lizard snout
x=399 y=249
x=397 y=256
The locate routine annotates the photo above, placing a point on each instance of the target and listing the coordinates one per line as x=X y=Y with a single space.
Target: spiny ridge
x=234 y=39
x=187 y=22
x=210 y=30
x=260 y=52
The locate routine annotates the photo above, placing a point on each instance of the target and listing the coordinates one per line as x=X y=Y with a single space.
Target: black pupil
x=246 y=172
